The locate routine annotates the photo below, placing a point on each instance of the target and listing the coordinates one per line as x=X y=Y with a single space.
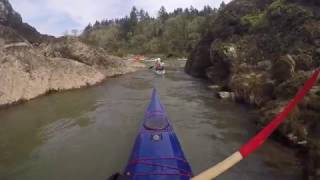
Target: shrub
x=288 y=14
x=254 y=21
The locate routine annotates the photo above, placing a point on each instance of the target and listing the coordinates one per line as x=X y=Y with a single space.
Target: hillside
x=263 y=51
x=32 y=64
x=171 y=33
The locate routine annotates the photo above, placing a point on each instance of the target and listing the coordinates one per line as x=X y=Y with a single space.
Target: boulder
x=199 y=59
x=283 y=69
x=303 y=62
x=222 y=57
x=218 y=75
x=24 y=75
x=252 y=88
x=290 y=87
x=264 y=65
x=72 y=48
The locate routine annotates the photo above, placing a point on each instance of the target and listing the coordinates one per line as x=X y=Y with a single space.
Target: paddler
x=159 y=66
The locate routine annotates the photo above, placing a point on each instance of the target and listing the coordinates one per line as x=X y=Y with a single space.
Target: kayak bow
x=157 y=153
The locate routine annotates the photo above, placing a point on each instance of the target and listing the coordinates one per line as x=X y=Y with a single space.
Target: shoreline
x=130 y=67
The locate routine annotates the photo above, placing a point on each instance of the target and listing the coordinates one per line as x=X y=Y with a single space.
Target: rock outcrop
x=263 y=51
x=32 y=64
x=10 y=19
x=24 y=74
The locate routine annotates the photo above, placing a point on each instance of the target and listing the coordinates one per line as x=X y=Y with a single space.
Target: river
x=87 y=134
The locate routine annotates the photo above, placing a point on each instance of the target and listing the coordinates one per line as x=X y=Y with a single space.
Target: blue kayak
x=157 y=153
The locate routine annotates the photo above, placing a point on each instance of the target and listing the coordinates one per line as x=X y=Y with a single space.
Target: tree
x=177 y=11
x=141 y=15
x=96 y=24
x=222 y=5
x=147 y=16
x=206 y=10
x=176 y=33
x=162 y=14
x=193 y=11
x=88 y=28
x=134 y=16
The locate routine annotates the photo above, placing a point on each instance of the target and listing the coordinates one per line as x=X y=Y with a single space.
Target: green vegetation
x=277 y=4
x=254 y=21
x=318 y=93
x=175 y=33
x=282 y=13
x=288 y=11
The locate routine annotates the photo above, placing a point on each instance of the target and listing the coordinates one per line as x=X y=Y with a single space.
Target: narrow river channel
x=88 y=134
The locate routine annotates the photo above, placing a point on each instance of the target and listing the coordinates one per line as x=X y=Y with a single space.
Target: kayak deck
x=157 y=153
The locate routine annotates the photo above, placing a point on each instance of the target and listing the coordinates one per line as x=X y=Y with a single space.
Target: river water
x=88 y=134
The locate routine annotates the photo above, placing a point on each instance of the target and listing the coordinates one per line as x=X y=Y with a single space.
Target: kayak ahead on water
x=159 y=72
x=157 y=153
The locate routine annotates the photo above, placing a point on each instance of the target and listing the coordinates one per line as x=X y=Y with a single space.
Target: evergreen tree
x=222 y=5
x=177 y=11
x=87 y=28
x=147 y=16
x=134 y=16
x=162 y=14
x=96 y=24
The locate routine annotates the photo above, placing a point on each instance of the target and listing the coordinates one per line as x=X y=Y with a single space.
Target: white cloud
x=56 y=16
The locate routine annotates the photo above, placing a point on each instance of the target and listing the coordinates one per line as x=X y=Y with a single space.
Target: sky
x=55 y=17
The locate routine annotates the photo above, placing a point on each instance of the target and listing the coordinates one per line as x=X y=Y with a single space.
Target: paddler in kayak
x=159 y=66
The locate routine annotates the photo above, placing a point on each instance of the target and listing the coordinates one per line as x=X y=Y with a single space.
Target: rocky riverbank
x=32 y=64
x=262 y=52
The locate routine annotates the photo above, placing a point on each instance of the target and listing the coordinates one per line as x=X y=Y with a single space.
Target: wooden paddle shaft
x=219 y=168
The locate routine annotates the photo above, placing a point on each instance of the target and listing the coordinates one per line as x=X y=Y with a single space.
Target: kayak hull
x=157 y=153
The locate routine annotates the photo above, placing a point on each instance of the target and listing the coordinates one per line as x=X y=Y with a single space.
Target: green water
x=87 y=134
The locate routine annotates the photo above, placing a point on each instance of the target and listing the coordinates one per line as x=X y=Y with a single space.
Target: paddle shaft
x=261 y=137
x=220 y=168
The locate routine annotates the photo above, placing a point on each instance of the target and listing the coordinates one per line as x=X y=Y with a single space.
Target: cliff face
x=32 y=64
x=263 y=51
x=11 y=22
